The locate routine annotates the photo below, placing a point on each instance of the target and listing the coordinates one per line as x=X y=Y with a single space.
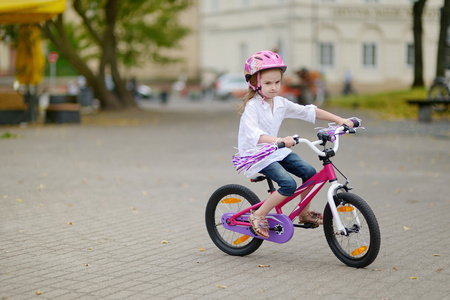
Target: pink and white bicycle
x=349 y=224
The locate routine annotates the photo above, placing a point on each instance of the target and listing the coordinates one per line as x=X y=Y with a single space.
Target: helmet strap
x=258 y=89
x=258 y=86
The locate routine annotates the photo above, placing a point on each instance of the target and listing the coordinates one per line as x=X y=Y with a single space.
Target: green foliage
x=391 y=105
x=10 y=33
x=144 y=29
x=63 y=67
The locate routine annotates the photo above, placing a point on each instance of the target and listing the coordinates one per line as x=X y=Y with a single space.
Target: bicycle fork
x=332 y=191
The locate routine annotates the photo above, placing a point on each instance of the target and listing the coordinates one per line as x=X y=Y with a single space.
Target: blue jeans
x=279 y=172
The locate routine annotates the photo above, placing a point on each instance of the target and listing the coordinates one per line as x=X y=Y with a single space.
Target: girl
x=262 y=114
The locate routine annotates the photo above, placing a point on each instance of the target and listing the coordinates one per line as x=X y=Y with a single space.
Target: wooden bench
x=425 y=107
x=63 y=113
x=13 y=110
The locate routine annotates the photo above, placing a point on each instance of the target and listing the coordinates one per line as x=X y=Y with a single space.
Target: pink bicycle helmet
x=259 y=61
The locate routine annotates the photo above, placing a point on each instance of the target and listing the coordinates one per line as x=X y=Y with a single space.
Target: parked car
x=231 y=85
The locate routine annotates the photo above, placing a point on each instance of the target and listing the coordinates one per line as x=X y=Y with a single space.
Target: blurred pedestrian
x=348 y=78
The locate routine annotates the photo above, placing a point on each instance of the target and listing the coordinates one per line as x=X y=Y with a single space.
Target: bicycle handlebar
x=330 y=134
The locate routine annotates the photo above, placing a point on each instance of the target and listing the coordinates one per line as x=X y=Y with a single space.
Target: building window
x=245 y=3
x=326 y=54
x=215 y=6
x=410 y=55
x=243 y=48
x=369 y=55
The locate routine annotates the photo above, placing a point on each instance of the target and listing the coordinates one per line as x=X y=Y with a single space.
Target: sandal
x=311 y=217
x=259 y=226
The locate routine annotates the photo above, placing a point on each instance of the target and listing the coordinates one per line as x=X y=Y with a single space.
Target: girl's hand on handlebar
x=347 y=122
x=288 y=141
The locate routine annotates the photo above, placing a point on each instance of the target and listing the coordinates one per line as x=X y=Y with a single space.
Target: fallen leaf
x=19 y=200
x=377 y=269
x=395 y=268
x=164 y=242
x=38 y=292
x=89 y=248
x=263 y=266
x=221 y=286
x=70 y=223
x=41 y=205
x=405 y=228
x=413 y=277
x=133 y=208
x=41 y=187
x=201 y=249
x=436 y=255
x=438 y=270
x=85 y=265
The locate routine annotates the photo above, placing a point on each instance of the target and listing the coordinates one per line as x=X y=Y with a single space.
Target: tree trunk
x=418 y=51
x=97 y=82
x=110 y=46
x=442 y=46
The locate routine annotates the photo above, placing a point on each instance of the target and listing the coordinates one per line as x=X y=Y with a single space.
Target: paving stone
x=98 y=200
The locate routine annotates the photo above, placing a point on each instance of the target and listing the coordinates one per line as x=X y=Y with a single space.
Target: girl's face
x=271 y=82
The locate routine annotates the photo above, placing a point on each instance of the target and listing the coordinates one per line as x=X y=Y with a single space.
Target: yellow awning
x=29 y=11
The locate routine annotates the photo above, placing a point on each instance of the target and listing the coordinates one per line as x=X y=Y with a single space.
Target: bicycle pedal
x=307 y=225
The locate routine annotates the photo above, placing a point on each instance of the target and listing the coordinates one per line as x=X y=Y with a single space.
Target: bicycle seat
x=258 y=178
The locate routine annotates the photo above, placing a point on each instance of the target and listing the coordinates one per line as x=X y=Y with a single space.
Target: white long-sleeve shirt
x=258 y=119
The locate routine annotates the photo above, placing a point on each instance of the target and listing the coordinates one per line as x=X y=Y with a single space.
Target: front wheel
x=360 y=246
x=230 y=198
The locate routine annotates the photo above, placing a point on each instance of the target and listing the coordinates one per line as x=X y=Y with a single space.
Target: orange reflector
x=345 y=208
x=231 y=200
x=359 y=251
x=241 y=239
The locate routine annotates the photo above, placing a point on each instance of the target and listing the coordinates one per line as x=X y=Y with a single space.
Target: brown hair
x=251 y=93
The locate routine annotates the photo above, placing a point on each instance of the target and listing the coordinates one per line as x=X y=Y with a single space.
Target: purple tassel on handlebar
x=243 y=163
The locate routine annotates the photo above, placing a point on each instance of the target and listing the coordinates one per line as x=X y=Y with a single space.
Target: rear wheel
x=360 y=246
x=230 y=198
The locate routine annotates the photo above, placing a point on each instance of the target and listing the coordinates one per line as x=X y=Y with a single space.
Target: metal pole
x=52 y=77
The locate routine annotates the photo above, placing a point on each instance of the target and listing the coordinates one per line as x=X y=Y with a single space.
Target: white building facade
x=373 y=39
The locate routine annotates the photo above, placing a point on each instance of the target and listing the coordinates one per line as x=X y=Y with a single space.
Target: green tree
x=114 y=35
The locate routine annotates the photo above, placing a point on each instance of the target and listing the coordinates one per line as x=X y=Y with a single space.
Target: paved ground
x=114 y=209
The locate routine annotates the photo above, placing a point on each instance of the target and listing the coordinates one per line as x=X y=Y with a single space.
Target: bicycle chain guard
x=281 y=227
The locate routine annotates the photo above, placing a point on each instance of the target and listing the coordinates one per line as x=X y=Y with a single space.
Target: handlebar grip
x=355 y=123
x=282 y=144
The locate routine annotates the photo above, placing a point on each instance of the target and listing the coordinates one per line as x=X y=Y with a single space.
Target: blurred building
x=372 y=39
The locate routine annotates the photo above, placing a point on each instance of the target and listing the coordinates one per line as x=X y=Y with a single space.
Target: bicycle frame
x=312 y=187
